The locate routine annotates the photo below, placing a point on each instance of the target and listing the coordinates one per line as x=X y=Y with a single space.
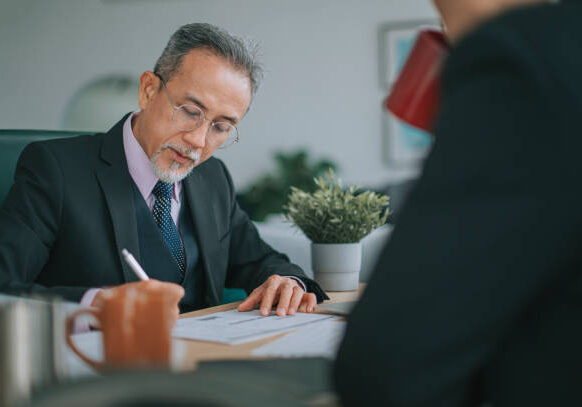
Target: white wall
x=321 y=89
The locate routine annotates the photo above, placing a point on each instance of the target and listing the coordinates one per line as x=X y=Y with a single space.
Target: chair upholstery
x=12 y=142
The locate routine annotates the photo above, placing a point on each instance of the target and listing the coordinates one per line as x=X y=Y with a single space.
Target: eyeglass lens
x=190 y=117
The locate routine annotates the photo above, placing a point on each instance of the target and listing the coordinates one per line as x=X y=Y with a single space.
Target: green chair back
x=12 y=142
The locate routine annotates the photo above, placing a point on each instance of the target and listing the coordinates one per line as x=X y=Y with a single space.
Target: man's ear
x=149 y=85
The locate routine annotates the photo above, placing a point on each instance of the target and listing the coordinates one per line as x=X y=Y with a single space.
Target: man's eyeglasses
x=190 y=117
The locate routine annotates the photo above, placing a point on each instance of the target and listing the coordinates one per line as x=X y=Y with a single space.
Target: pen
x=134 y=265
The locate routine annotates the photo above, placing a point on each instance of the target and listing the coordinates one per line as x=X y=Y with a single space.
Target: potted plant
x=336 y=220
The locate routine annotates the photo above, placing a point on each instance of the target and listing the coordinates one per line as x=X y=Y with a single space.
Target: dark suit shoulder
x=73 y=155
x=542 y=24
x=212 y=166
x=215 y=173
x=71 y=145
x=523 y=63
x=517 y=36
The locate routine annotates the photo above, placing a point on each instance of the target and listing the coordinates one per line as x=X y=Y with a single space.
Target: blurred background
x=75 y=64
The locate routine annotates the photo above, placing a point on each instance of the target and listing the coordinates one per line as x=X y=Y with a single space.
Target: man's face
x=205 y=80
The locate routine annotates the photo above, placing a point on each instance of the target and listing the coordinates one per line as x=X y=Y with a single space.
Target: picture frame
x=404 y=145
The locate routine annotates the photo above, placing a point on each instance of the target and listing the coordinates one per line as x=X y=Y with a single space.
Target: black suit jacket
x=478 y=295
x=70 y=212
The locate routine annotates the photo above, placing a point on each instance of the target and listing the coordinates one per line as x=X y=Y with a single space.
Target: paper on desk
x=321 y=338
x=238 y=327
x=337 y=308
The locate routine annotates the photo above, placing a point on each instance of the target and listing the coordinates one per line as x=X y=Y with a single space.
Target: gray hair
x=242 y=54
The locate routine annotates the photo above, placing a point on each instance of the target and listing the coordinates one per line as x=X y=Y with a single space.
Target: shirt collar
x=139 y=165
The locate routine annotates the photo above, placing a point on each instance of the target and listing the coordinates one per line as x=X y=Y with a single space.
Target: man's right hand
x=174 y=291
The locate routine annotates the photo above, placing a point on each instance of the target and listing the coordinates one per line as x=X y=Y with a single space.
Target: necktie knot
x=163 y=190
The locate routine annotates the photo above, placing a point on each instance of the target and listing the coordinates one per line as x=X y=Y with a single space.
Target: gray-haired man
x=151 y=185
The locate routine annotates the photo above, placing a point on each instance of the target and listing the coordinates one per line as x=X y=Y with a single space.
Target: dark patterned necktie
x=163 y=217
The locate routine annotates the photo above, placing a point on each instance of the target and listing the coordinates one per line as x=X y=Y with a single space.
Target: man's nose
x=197 y=137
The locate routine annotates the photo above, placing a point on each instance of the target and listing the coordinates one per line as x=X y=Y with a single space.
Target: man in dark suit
x=478 y=295
x=150 y=185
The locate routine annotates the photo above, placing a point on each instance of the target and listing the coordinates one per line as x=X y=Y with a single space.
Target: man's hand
x=175 y=293
x=283 y=291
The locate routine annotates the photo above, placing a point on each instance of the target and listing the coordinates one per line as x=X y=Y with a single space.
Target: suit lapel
x=197 y=193
x=115 y=182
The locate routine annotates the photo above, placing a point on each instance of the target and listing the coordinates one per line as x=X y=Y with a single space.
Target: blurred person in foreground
x=477 y=298
x=151 y=185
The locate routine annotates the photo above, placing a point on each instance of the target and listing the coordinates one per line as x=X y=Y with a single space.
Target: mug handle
x=70 y=324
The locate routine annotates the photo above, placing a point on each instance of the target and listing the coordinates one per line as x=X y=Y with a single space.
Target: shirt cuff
x=82 y=324
x=301 y=283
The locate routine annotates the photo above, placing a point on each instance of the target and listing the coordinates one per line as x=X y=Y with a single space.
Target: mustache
x=185 y=151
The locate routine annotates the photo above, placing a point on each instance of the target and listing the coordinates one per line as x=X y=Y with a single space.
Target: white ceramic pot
x=336 y=266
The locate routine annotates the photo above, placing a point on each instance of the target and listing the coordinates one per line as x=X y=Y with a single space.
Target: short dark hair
x=242 y=54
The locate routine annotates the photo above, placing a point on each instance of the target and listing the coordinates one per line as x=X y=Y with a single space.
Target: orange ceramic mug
x=136 y=326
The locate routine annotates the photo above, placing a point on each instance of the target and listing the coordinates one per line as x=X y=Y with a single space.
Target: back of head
x=240 y=53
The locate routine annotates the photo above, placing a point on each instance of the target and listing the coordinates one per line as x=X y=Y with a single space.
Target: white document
x=237 y=327
x=318 y=339
x=337 y=308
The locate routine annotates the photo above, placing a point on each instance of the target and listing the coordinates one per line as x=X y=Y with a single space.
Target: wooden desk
x=196 y=351
x=272 y=382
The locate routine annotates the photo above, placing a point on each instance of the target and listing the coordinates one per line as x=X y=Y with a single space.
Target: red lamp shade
x=415 y=96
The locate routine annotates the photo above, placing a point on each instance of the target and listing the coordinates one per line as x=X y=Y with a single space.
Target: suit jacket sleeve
x=29 y=224
x=251 y=260
x=472 y=251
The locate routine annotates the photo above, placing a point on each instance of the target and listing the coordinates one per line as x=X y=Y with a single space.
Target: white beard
x=173 y=174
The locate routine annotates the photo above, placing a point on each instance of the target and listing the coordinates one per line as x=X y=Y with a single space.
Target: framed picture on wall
x=404 y=145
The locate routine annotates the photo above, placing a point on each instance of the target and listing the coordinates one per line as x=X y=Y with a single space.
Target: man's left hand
x=283 y=291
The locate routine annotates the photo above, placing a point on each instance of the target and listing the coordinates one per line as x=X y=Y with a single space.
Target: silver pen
x=134 y=265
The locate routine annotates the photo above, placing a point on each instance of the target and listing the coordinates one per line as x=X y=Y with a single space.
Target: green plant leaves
x=267 y=194
x=332 y=214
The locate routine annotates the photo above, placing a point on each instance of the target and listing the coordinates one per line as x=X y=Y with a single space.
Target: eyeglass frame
x=204 y=118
